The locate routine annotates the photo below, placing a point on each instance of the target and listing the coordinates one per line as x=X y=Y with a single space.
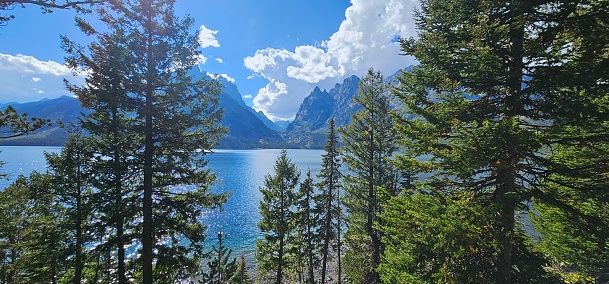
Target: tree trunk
x=147 y=234
x=118 y=194
x=338 y=237
x=373 y=276
x=311 y=276
x=79 y=239
x=328 y=230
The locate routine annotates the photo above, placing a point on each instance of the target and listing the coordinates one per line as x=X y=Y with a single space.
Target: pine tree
x=328 y=203
x=485 y=106
x=574 y=222
x=221 y=269
x=570 y=208
x=14 y=124
x=306 y=221
x=70 y=171
x=46 y=240
x=277 y=210
x=112 y=129
x=369 y=143
x=13 y=206
x=241 y=277
x=174 y=119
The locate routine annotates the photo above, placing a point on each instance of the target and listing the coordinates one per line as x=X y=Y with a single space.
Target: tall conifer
x=149 y=53
x=491 y=92
x=306 y=221
x=369 y=143
x=327 y=202
x=277 y=224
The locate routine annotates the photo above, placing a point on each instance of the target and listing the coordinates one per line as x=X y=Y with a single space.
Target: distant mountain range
x=247 y=127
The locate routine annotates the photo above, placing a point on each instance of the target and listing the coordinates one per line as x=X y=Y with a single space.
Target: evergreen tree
x=484 y=106
x=174 y=119
x=14 y=124
x=574 y=222
x=45 y=245
x=72 y=190
x=327 y=202
x=14 y=202
x=241 y=277
x=369 y=143
x=221 y=269
x=306 y=221
x=570 y=208
x=112 y=129
x=277 y=210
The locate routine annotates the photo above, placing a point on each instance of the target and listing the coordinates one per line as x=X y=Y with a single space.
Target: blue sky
x=276 y=51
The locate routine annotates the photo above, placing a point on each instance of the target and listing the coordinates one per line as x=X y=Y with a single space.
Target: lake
x=240 y=172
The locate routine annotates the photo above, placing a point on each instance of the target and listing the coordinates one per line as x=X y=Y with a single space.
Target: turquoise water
x=240 y=172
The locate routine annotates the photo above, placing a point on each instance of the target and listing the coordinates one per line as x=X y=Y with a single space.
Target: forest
x=492 y=168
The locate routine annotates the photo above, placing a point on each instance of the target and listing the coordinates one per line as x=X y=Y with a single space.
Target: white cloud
x=201 y=59
x=207 y=37
x=225 y=76
x=364 y=39
x=30 y=65
x=248 y=96
x=25 y=78
x=219 y=60
x=267 y=97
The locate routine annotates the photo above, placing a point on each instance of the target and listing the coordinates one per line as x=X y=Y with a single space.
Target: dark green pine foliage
x=424 y=227
x=35 y=237
x=570 y=210
x=327 y=203
x=175 y=118
x=222 y=269
x=242 y=276
x=574 y=226
x=14 y=124
x=112 y=125
x=484 y=107
x=47 y=6
x=306 y=223
x=277 y=225
x=71 y=171
x=369 y=143
x=13 y=205
x=47 y=245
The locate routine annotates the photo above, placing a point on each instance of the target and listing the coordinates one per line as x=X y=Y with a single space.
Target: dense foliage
x=488 y=162
x=485 y=106
x=371 y=180
x=278 y=248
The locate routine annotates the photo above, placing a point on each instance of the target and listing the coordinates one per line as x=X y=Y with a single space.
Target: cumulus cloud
x=219 y=60
x=248 y=96
x=30 y=65
x=365 y=38
x=25 y=78
x=225 y=76
x=207 y=37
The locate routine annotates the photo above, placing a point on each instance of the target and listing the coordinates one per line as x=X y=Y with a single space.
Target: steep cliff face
x=343 y=96
x=309 y=126
x=313 y=113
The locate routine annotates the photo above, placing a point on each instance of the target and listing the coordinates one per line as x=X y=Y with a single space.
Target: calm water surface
x=240 y=172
